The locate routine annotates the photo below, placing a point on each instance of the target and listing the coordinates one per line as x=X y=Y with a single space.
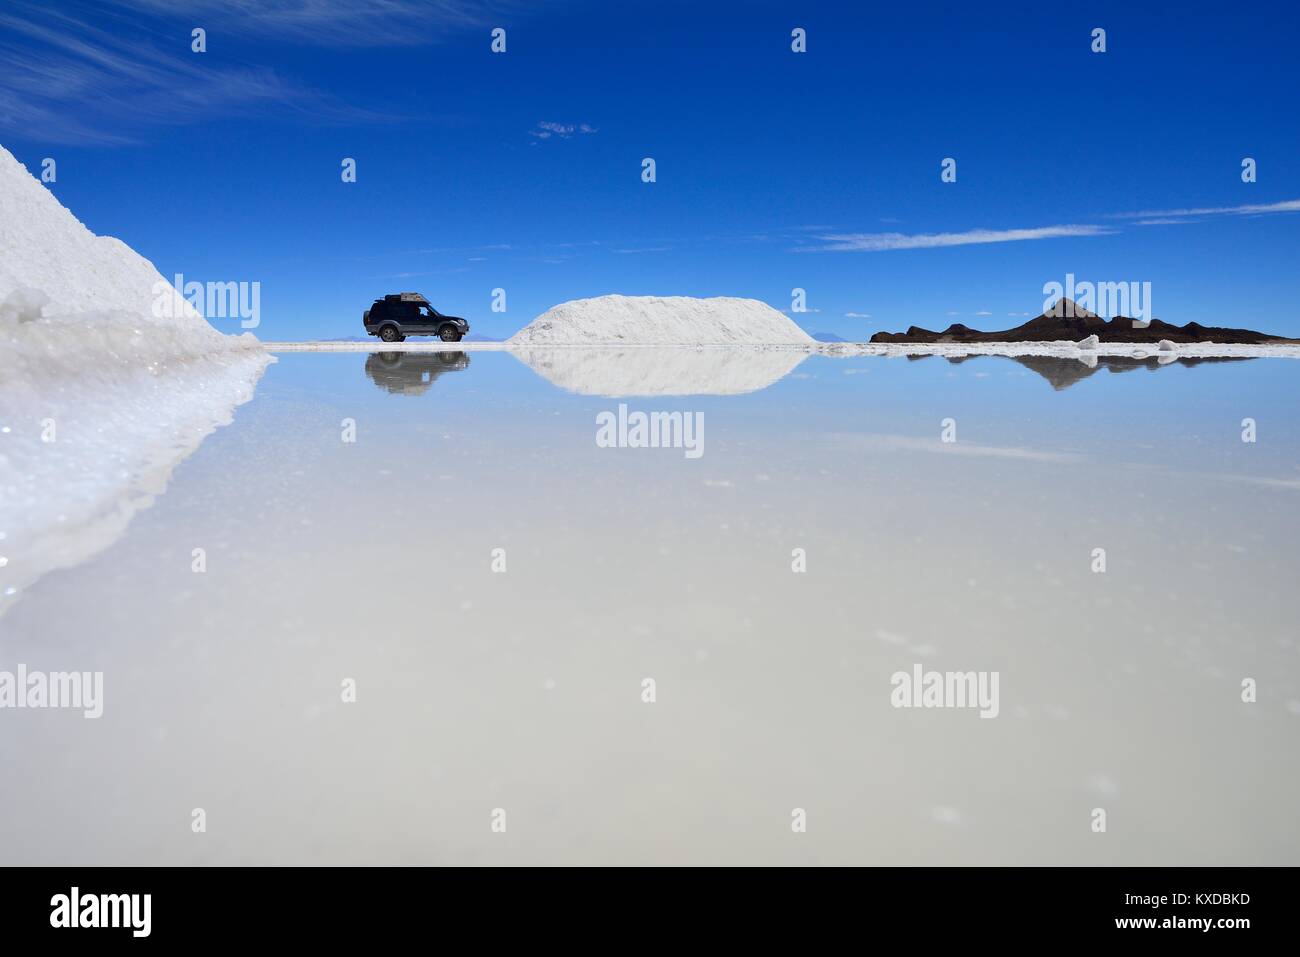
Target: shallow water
x=521 y=690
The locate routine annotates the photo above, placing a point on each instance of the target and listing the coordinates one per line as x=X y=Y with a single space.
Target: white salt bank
x=110 y=380
x=662 y=321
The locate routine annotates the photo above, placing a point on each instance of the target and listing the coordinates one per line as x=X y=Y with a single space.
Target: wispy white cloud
x=545 y=130
x=648 y=249
x=1162 y=216
x=877 y=242
x=857 y=315
x=494 y=247
x=983 y=312
x=336 y=23
x=74 y=82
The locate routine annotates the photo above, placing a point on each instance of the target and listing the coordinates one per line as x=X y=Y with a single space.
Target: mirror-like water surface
x=379 y=562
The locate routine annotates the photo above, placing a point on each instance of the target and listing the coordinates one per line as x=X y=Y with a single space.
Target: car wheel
x=390 y=334
x=449 y=334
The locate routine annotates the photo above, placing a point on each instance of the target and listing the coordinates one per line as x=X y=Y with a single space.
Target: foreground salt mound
x=650 y=371
x=102 y=393
x=661 y=321
x=46 y=248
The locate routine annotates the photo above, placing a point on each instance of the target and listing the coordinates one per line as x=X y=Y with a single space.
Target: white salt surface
x=522 y=690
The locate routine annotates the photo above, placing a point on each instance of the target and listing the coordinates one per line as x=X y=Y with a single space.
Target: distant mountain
x=1068 y=321
x=826 y=337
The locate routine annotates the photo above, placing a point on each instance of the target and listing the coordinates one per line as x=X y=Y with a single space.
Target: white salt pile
x=102 y=396
x=663 y=321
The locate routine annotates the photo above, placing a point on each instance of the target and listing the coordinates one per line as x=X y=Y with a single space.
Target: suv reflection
x=411 y=373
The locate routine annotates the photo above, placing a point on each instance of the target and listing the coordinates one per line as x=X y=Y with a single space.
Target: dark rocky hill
x=1068 y=321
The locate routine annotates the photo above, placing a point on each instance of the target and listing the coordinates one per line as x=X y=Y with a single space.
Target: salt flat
x=373 y=560
x=1064 y=349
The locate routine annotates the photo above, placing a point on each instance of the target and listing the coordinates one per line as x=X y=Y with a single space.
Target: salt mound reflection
x=614 y=371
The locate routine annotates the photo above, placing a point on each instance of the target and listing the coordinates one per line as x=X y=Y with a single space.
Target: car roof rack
x=409 y=297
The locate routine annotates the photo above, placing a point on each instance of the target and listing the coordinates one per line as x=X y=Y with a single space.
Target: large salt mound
x=45 y=247
x=661 y=321
x=99 y=397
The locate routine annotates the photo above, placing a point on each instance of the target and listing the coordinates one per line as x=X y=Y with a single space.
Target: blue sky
x=775 y=170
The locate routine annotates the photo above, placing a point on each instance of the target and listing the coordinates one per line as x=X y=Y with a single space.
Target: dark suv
x=403 y=314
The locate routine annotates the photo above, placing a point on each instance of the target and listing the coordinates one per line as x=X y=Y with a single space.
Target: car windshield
x=428 y=310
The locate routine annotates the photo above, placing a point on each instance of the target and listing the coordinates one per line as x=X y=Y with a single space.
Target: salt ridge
x=661 y=320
